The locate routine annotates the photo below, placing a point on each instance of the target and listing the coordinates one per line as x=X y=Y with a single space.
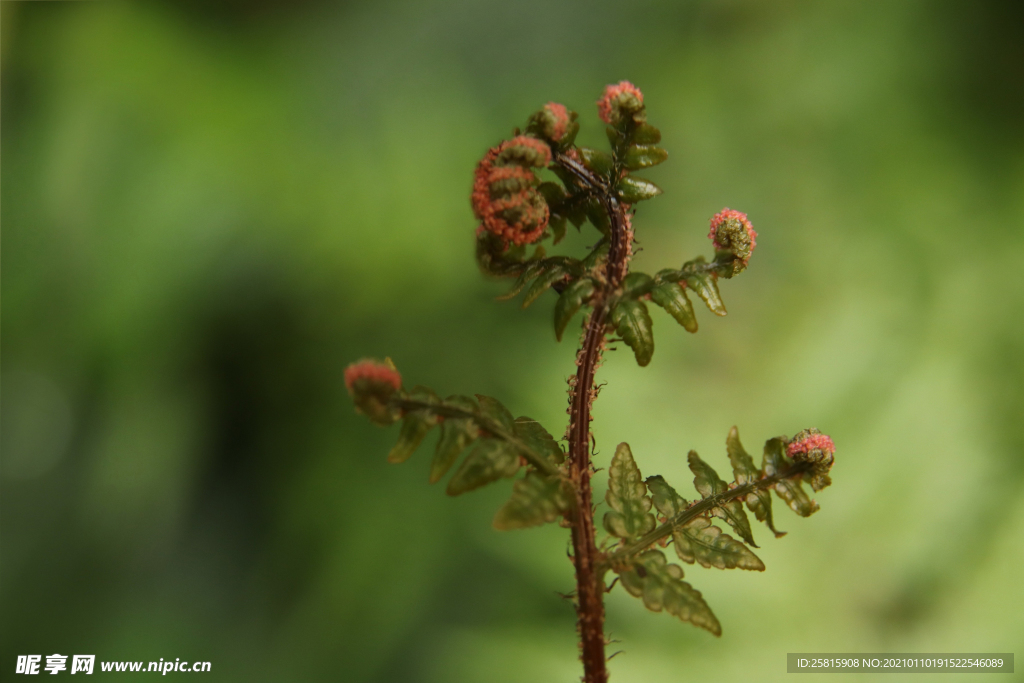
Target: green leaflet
x=597 y=254
x=489 y=461
x=535 y=500
x=531 y=271
x=547 y=278
x=644 y=156
x=533 y=434
x=631 y=189
x=493 y=408
x=702 y=541
x=646 y=134
x=554 y=193
x=456 y=434
x=789 y=490
x=415 y=426
x=633 y=323
x=699 y=540
x=570 y=135
x=614 y=137
x=672 y=297
x=667 y=502
x=627 y=497
x=574 y=208
x=706 y=287
x=742 y=464
x=571 y=300
x=487 y=419
x=759 y=501
x=558 y=225
x=598 y=217
x=636 y=285
x=597 y=161
x=708 y=483
x=661 y=587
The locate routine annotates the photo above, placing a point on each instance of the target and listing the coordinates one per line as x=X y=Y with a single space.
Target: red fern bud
x=371 y=385
x=732 y=232
x=620 y=102
x=524 y=151
x=811 y=446
x=505 y=198
x=552 y=122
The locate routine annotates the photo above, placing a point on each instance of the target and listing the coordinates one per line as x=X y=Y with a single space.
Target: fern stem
x=590 y=587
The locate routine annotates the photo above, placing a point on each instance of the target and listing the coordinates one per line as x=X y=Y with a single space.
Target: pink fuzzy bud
x=524 y=151
x=505 y=198
x=372 y=371
x=811 y=446
x=372 y=384
x=620 y=102
x=552 y=122
x=732 y=232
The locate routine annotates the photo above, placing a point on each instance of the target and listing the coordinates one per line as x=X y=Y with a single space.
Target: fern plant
x=517 y=211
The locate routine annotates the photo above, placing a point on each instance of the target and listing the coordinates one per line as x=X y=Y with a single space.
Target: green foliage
x=672 y=297
x=544 y=280
x=580 y=198
x=698 y=540
x=643 y=570
x=702 y=541
x=415 y=426
x=558 y=229
x=644 y=156
x=503 y=445
x=493 y=408
x=542 y=272
x=627 y=497
x=633 y=323
x=489 y=461
x=597 y=216
x=759 y=501
x=598 y=187
x=535 y=437
x=504 y=442
x=646 y=134
x=705 y=284
x=632 y=190
x=636 y=285
x=553 y=193
x=708 y=484
x=661 y=587
x=570 y=301
x=597 y=161
x=789 y=490
x=456 y=434
x=536 y=499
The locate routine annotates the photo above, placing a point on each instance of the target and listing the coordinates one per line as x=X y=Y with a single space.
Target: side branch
x=496 y=430
x=696 y=510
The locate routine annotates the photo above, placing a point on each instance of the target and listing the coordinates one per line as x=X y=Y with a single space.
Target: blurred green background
x=210 y=208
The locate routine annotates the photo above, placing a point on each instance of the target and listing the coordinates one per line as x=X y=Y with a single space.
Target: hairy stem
x=590 y=587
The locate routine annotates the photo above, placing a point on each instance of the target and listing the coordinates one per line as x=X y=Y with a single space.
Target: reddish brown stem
x=589 y=594
x=589 y=579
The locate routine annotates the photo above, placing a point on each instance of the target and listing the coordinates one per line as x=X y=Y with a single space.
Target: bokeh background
x=210 y=208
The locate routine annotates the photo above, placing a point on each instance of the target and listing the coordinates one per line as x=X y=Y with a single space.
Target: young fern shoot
x=517 y=212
